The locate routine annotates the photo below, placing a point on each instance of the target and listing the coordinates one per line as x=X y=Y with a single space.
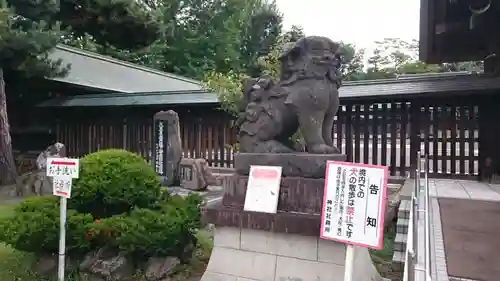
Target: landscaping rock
x=36 y=182
x=160 y=268
x=56 y=150
x=392 y=203
x=106 y=264
x=47 y=266
x=195 y=174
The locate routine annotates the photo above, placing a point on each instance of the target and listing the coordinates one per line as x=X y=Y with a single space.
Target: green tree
x=259 y=34
x=393 y=56
x=30 y=30
x=352 y=62
x=203 y=35
x=229 y=85
x=269 y=63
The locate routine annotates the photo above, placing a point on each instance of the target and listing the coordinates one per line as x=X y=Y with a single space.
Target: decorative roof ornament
x=476 y=12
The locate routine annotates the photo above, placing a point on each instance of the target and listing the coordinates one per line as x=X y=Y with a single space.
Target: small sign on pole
x=61 y=186
x=62 y=171
x=263 y=189
x=354 y=207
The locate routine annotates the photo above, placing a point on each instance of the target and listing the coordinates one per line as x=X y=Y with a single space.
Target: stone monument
x=285 y=245
x=167 y=151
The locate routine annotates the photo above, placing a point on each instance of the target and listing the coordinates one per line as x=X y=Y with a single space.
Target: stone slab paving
x=470 y=233
x=465 y=246
x=463 y=189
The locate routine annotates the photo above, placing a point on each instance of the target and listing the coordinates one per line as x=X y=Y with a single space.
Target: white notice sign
x=263 y=189
x=63 y=167
x=61 y=186
x=354 y=204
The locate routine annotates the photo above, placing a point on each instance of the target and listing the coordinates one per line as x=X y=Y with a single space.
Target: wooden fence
x=199 y=136
x=392 y=133
x=374 y=133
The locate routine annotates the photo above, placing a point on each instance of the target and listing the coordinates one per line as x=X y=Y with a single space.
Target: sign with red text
x=354 y=204
x=61 y=186
x=63 y=167
x=263 y=189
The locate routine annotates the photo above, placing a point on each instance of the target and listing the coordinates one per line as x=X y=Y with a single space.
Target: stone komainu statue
x=305 y=98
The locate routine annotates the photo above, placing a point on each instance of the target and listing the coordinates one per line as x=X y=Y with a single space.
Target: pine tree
x=30 y=29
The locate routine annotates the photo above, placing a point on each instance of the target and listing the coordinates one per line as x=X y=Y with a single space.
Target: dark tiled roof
x=387 y=88
x=418 y=85
x=154 y=98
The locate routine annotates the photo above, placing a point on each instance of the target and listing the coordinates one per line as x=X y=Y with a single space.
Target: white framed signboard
x=263 y=189
x=354 y=204
x=62 y=171
x=63 y=167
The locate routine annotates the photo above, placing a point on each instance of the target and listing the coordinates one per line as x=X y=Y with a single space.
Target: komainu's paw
x=323 y=149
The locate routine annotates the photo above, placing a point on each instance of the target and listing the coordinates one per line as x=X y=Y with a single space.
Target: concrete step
x=400 y=242
x=404 y=209
x=402 y=225
x=398 y=259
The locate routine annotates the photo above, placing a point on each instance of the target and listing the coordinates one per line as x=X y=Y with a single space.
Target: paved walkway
x=465 y=230
x=463 y=189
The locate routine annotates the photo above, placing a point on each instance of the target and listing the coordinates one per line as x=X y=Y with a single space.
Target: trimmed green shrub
x=34 y=227
x=117 y=202
x=188 y=208
x=147 y=233
x=113 y=182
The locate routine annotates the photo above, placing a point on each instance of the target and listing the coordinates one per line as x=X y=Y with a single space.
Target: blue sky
x=355 y=21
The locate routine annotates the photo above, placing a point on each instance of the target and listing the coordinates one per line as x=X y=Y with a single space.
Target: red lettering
x=353 y=171
x=264 y=173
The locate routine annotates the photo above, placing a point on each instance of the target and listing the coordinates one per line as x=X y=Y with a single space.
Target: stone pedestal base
x=241 y=254
x=302 y=165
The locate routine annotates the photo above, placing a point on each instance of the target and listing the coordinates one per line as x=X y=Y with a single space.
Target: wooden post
x=415 y=128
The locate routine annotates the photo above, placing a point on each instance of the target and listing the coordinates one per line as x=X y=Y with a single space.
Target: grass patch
x=14 y=264
x=6 y=210
x=383 y=258
x=387 y=251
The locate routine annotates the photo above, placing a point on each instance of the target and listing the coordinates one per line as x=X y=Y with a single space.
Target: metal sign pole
x=63 y=171
x=349 y=263
x=62 y=239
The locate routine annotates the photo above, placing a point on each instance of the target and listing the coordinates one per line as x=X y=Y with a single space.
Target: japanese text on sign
x=159 y=149
x=263 y=189
x=63 y=167
x=61 y=186
x=354 y=204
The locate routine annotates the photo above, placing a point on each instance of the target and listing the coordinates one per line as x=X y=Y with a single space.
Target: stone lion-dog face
x=310 y=72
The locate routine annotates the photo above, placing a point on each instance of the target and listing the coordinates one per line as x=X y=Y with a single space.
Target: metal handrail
x=411 y=254
x=427 y=220
x=409 y=269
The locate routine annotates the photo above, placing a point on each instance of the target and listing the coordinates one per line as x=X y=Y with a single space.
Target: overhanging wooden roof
x=446 y=34
x=410 y=87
